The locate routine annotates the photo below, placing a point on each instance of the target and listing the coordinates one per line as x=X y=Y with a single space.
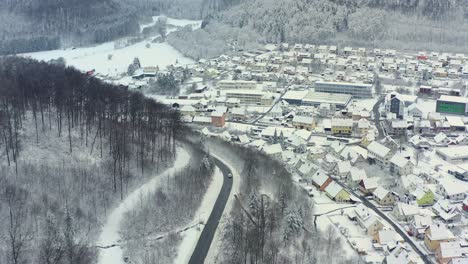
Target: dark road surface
x=376 y=111
x=206 y=237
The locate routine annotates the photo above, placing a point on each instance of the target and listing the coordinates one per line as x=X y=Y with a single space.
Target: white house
x=355 y=176
x=342 y=168
x=415 y=111
x=401 y=165
x=451 y=190
x=379 y=152
x=405 y=212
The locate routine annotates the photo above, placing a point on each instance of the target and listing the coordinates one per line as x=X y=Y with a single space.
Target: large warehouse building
x=452 y=105
x=316 y=98
x=358 y=90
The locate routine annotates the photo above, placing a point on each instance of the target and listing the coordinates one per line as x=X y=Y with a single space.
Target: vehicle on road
x=230 y=175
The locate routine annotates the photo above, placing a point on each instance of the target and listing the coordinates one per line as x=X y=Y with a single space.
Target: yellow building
x=337 y=193
x=341 y=126
x=436 y=234
x=367 y=139
x=303 y=122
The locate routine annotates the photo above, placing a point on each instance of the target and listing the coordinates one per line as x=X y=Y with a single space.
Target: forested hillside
x=71 y=147
x=430 y=24
x=33 y=25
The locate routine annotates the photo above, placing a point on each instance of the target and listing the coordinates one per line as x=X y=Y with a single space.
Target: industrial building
x=453 y=153
x=452 y=105
x=249 y=97
x=358 y=90
x=317 y=98
x=236 y=84
x=294 y=97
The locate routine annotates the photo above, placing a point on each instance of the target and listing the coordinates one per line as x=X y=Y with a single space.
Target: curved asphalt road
x=206 y=237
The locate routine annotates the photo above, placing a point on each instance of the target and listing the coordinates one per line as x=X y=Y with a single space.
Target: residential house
x=405 y=212
x=449 y=251
x=329 y=162
x=436 y=234
x=368 y=186
x=415 y=110
x=274 y=150
x=419 y=225
x=410 y=182
x=390 y=143
x=419 y=142
x=363 y=126
x=307 y=169
x=321 y=180
x=379 y=153
x=355 y=154
x=342 y=168
x=451 y=190
x=238 y=113
x=355 y=176
x=188 y=110
x=383 y=197
x=337 y=193
x=398 y=127
x=388 y=237
x=441 y=139
x=342 y=126
x=447 y=211
x=218 y=119
x=395 y=104
x=367 y=220
x=303 y=122
x=401 y=165
x=367 y=139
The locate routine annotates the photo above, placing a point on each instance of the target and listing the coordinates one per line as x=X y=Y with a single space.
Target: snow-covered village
x=136 y=149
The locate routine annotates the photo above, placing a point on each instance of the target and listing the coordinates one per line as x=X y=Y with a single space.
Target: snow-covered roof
x=388 y=236
x=357 y=174
x=405 y=209
x=370 y=183
x=342 y=122
x=380 y=193
x=201 y=119
x=363 y=123
x=452 y=187
x=320 y=177
x=303 y=119
x=399 y=161
x=453 y=249
x=333 y=189
x=343 y=166
x=455 y=121
x=378 y=148
x=273 y=149
x=244 y=139
x=440 y=232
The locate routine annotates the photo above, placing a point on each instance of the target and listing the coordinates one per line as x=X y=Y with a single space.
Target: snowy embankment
x=191 y=236
x=110 y=232
x=108 y=60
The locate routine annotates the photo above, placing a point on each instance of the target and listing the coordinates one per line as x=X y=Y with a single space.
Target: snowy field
x=97 y=57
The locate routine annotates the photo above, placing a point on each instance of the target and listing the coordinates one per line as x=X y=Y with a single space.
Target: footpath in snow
x=110 y=232
x=191 y=236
